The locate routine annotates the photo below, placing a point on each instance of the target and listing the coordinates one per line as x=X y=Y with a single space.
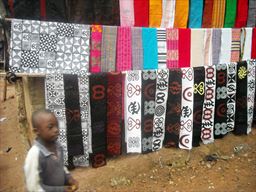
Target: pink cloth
x=172 y=47
x=126 y=12
x=95 y=51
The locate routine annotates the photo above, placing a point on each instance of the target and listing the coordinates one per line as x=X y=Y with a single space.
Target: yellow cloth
x=155 y=13
x=218 y=13
x=181 y=13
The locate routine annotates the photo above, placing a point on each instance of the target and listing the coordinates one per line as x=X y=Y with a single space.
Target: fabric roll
x=124 y=49
x=141 y=13
x=181 y=14
x=220 y=114
x=168 y=13
x=95 y=51
x=197 y=47
x=160 y=108
x=98 y=100
x=231 y=95
x=137 y=49
x=133 y=111
x=196 y=13
x=218 y=13
x=246 y=43
x=187 y=102
x=108 y=48
x=230 y=15
x=155 y=13
x=173 y=109
x=235 y=47
x=199 y=81
x=184 y=47
x=126 y=12
x=226 y=42
x=172 y=47
x=147 y=108
x=149 y=41
x=241 y=99
x=161 y=48
x=242 y=13
x=207 y=15
x=208 y=47
x=251 y=64
x=207 y=131
x=216 y=45
x=114 y=113
x=253 y=53
x=251 y=20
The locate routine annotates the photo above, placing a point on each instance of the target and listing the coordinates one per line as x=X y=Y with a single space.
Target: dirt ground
x=233 y=165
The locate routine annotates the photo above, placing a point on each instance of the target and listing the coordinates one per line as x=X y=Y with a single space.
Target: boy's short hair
x=38 y=112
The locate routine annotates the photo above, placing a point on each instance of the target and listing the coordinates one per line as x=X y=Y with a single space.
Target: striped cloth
x=235 y=47
x=95 y=51
x=162 y=48
x=126 y=12
x=155 y=13
x=168 y=12
x=230 y=15
x=137 y=49
x=172 y=47
x=197 y=47
x=181 y=14
x=251 y=21
x=218 y=14
x=242 y=13
x=141 y=12
x=207 y=16
x=196 y=13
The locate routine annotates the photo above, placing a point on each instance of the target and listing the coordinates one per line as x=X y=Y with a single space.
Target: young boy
x=44 y=168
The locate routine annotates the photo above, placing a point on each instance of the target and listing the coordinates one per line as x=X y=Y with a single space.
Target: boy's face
x=47 y=128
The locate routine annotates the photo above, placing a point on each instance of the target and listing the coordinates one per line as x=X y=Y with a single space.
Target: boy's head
x=45 y=125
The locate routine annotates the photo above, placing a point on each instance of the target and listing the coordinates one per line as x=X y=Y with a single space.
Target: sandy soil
x=166 y=170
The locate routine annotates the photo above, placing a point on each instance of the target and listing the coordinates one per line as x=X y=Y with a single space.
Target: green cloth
x=230 y=16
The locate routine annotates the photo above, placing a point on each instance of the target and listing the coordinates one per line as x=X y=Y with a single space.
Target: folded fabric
x=184 y=47
x=95 y=51
x=225 y=50
x=155 y=13
x=251 y=20
x=208 y=47
x=168 y=13
x=161 y=48
x=246 y=43
x=253 y=53
x=137 y=49
x=216 y=45
x=235 y=49
x=172 y=47
x=242 y=13
x=196 y=13
x=181 y=14
x=218 y=13
x=197 y=47
x=207 y=15
x=141 y=13
x=126 y=12
x=230 y=15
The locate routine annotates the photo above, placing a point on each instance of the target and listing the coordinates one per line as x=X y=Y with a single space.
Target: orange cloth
x=181 y=13
x=155 y=13
x=218 y=13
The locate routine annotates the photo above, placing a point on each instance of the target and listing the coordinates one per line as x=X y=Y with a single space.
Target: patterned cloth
x=155 y=13
x=246 y=43
x=172 y=38
x=137 y=49
x=207 y=15
x=216 y=45
x=147 y=108
x=218 y=13
x=230 y=15
x=162 y=48
x=251 y=21
x=133 y=111
x=196 y=13
x=197 y=47
x=173 y=109
x=49 y=47
x=168 y=10
x=124 y=49
x=235 y=49
x=126 y=12
x=242 y=13
x=184 y=47
x=141 y=13
x=95 y=51
x=181 y=14
x=108 y=48
x=160 y=108
x=225 y=50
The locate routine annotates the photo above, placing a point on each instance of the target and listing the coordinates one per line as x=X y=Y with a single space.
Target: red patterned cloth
x=141 y=13
x=241 y=13
x=184 y=47
x=95 y=51
x=172 y=47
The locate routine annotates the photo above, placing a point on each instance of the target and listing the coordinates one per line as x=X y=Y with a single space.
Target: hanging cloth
x=251 y=64
x=168 y=10
x=242 y=13
x=124 y=49
x=230 y=15
x=207 y=130
x=187 y=102
x=220 y=119
x=141 y=13
x=98 y=99
x=108 y=48
x=241 y=99
x=184 y=47
x=155 y=13
x=218 y=13
x=225 y=50
x=253 y=53
x=181 y=14
x=162 y=48
x=137 y=49
x=246 y=43
x=235 y=49
x=126 y=13
x=147 y=108
x=197 y=47
x=207 y=15
x=251 y=21
x=95 y=51
x=133 y=111
x=173 y=109
x=172 y=47
x=231 y=95
x=208 y=47
x=160 y=108
x=196 y=13
x=199 y=81
x=114 y=113
x=216 y=45
x=149 y=41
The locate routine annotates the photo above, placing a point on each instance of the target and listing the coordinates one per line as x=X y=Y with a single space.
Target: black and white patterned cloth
x=49 y=47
